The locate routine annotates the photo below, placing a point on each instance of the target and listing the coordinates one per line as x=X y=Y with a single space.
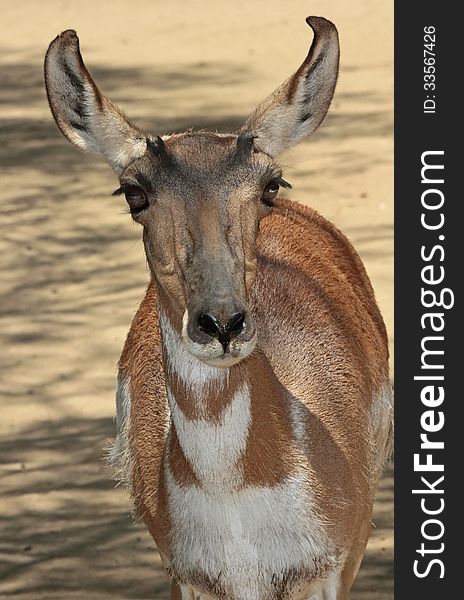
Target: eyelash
x=136 y=198
x=282 y=183
x=121 y=190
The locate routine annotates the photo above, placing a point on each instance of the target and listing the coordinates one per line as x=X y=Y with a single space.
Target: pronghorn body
x=273 y=464
x=253 y=402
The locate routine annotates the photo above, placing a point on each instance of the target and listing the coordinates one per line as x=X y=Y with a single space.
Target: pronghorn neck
x=230 y=427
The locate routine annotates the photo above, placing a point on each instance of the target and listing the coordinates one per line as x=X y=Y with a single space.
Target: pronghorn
x=253 y=399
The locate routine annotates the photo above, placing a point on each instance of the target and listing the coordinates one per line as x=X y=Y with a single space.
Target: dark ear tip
x=319 y=24
x=66 y=38
x=68 y=35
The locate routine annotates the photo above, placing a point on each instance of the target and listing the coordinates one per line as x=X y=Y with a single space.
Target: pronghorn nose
x=210 y=325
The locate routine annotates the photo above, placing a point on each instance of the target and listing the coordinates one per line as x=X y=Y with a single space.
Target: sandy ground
x=72 y=264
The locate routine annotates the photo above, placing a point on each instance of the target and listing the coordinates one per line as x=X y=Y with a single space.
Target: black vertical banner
x=429 y=256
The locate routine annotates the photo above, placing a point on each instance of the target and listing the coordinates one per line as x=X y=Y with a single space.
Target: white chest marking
x=213 y=449
x=241 y=539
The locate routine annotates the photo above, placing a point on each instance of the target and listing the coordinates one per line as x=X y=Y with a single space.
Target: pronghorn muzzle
x=219 y=336
x=224 y=332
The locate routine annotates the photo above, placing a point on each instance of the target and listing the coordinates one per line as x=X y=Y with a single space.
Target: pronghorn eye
x=135 y=198
x=270 y=192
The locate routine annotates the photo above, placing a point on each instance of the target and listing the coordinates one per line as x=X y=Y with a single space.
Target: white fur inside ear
x=297 y=108
x=88 y=119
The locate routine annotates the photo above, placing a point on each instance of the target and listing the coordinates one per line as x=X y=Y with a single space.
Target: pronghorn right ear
x=83 y=114
x=296 y=108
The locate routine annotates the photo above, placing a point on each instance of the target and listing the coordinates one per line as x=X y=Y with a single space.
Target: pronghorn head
x=198 y=195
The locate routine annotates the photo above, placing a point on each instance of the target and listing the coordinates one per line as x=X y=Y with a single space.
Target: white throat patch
x=182 y=364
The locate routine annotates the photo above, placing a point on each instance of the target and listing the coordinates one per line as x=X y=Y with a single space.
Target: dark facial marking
x=244 y=144
x=156 y=147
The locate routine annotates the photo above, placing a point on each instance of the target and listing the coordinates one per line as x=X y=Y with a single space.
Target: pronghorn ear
x=83 y=114
x=299 y=105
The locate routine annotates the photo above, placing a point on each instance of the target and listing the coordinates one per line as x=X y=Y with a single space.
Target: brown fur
x=305 y=267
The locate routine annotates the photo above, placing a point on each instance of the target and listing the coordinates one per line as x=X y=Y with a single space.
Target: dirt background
x=72 y=263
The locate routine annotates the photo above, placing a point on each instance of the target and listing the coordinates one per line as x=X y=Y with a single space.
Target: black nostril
x=209 y=324
x=224 y=333
x=235 y=323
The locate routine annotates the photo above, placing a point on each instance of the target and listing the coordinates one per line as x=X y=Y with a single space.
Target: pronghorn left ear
x=299 y=105
x=83 y=114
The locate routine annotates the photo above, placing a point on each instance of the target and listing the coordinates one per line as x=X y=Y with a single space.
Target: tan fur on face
x=204 y=210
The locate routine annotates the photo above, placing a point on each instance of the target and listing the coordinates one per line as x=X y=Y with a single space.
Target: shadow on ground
x=375 y=579
x=68 y=534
